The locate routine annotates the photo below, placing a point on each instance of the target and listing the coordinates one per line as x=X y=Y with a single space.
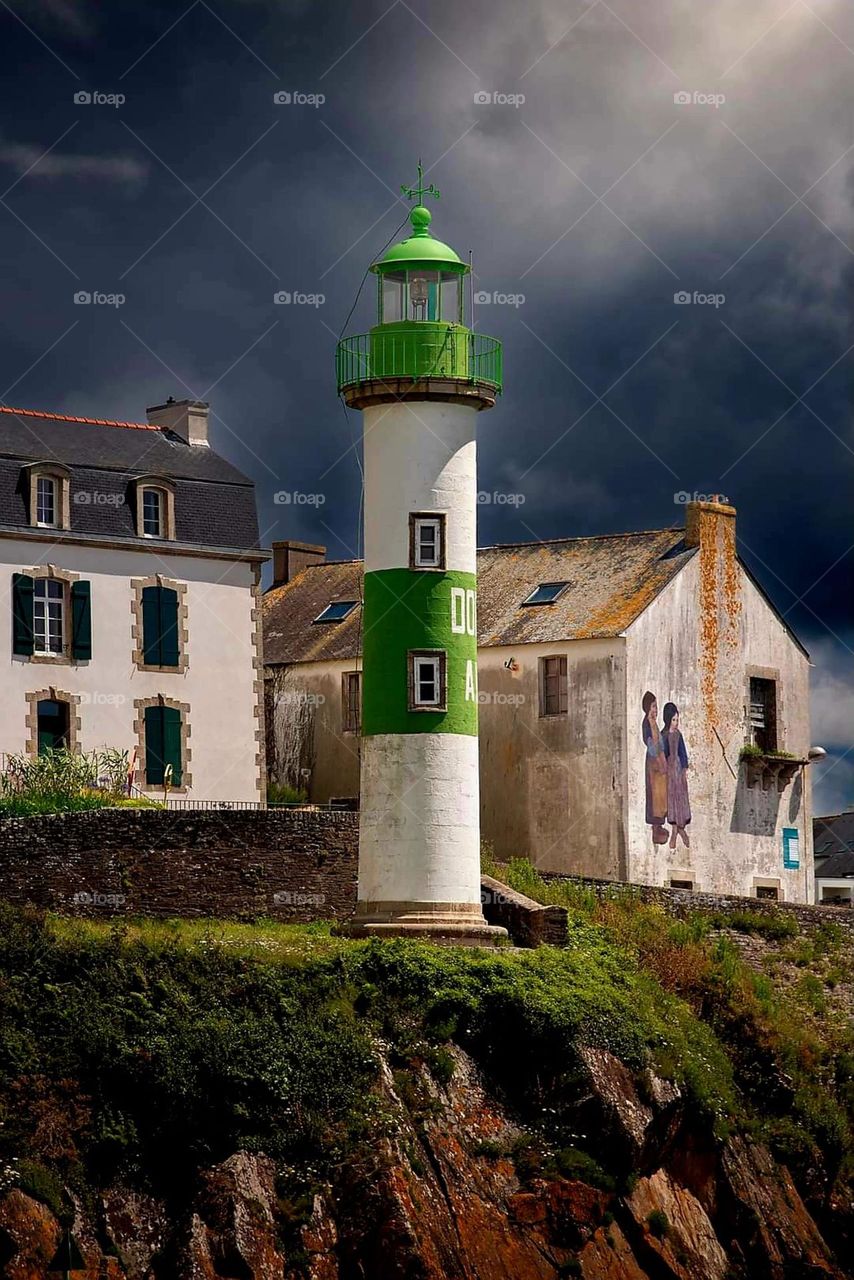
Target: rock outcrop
x=443 y=1195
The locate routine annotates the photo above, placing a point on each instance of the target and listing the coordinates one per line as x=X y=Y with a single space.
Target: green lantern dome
x=420 y=344
x=420 y=247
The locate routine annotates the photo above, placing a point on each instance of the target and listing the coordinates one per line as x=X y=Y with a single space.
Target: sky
x=659 y=199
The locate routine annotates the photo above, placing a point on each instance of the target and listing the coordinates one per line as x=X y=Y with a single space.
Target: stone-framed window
x=553 y=686
x=768 y=888
x=52 y=695
x=146 y=765
x=51 y=616
x=160 y=627
x=681 y=879
x=155 y=508
x=48 y=490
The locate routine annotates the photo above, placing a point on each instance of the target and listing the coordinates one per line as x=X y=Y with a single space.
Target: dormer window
x=155 y=508
x=47 y=486
x=152 y=513
x=46 y=502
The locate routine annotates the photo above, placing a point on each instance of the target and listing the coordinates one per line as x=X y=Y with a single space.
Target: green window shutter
x=160 y=627
x=172 y=742
x=154 y=763
x=151 y=626
x=22 y=615
x=168 y=627
x=81 y=620
x=162 y=745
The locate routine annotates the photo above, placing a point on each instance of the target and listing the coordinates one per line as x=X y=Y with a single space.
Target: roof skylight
x=546 y=593
x=337 y=611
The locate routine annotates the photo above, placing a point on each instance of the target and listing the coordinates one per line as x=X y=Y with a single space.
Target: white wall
x=218 y=684
x=736 y=831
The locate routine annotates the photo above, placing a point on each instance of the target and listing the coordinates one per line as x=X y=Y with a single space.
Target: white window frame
x=161 y=511
x=45 y=603
x=437 y=660
x=53 y=484
x=418 y=521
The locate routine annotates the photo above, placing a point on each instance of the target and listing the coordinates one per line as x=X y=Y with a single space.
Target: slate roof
x=214 y=502
x=833 y=841
x=612 y=580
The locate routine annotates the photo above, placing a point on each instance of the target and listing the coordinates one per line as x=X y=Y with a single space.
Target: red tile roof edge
x=69 y=417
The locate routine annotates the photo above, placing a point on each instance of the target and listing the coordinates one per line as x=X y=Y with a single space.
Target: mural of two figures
x=666 y=773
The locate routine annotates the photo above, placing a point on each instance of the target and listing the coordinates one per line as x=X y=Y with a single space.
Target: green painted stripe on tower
x=406 y=610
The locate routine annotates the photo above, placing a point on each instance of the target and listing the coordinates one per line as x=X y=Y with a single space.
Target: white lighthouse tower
x=421 y=379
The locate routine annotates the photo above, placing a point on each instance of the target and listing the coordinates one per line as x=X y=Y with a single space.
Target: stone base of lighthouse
x=419 y=840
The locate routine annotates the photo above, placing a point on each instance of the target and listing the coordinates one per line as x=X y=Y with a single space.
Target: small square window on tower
x=427 y=680
x=426 y=541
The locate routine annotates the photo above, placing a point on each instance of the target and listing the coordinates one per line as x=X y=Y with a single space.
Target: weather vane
x=418 y=193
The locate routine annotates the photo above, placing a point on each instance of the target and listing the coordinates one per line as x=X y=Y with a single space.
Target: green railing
x=419 y=350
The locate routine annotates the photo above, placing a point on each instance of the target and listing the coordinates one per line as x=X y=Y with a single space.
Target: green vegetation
x=751 y=752
x=789 y=1046
x=143 y=1050
x=658 y=1223
x=61 y=781
x=281 y=793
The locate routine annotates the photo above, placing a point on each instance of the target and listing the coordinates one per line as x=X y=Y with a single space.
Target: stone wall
x=289 y=864
x=681 y=902
x=528 y=923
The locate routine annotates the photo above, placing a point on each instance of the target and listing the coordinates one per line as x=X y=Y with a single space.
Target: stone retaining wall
x=681 y=902
x=289 y=864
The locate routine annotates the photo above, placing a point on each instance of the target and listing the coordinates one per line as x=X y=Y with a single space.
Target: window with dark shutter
x=81 y=621
x=553 y=686
x=162 y=745
x=160 y=646
x=23 y=640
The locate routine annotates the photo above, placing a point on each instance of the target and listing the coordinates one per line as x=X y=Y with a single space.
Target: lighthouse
x=421 y=379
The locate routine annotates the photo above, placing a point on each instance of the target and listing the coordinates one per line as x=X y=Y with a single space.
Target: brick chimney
x=187 y=418
x=290 y=558
x=706 y=521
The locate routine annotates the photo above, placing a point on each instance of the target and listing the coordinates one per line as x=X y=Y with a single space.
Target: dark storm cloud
x=590 y=204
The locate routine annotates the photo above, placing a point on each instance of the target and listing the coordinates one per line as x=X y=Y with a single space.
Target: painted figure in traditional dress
x=656 y=770
x=678 y=806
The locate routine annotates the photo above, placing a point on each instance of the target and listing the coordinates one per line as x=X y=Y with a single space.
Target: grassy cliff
x=141 y=1053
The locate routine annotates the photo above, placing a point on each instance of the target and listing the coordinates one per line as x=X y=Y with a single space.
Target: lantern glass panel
x=451 y=297
x=392 y=290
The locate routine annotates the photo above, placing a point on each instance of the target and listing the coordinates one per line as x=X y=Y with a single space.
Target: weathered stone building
x=644 y=710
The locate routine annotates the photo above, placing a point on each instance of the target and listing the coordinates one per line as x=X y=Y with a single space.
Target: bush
x=282 y=793
x=658 y=1223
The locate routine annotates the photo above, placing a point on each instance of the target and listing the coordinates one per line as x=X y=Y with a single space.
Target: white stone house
x=130 y=566
x=833 y=845
x=577 y=639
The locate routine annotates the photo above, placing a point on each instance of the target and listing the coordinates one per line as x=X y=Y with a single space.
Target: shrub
x=658 y=1223
x=283 y=793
